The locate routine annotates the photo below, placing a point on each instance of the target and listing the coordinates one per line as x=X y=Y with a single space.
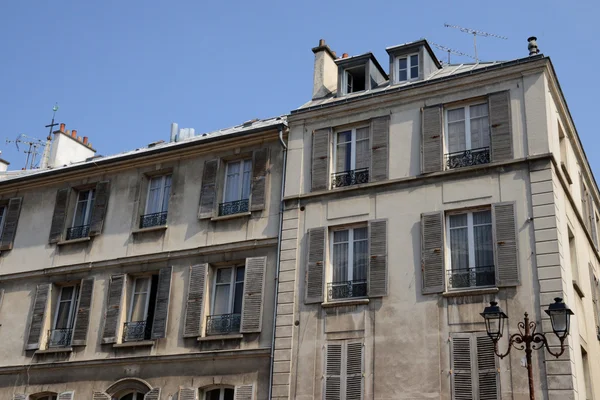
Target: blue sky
x=122 y=71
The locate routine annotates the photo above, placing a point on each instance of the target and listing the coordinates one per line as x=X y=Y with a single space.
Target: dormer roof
x=360 y=59
x=411 y=47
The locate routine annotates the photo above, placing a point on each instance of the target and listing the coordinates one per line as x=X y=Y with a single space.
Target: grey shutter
x=100 y=206
x=380 y=133
x=320 y=160
x=195 y=301
x=354 y=371
x=161 y=307
x=60 y=214
x=82 y=318
x=500 y=131
x=66 y=395
x=20 y=396
x=254 y=282
x=463 y=387
x=591 y=216
x=186 y=394
x=100 y=396
x=38 y=313
x=333 y=371
x=113 y=309
x=487 y=372
x=595 y=298
x=315 y=268
x=154 y=394
x=584 y=199
x=506 y=249
x=244 y=392
x=1 y=297
x=432 y=252
x=260 y=167
x=431 y=139
x=10 y=223
x=378 y=272
x=208 y=192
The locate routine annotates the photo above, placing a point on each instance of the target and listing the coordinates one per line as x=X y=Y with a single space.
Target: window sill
x=141 y=343
x=233 y=336
x=471 y=292
x=53 y=350
x=73 y=241
x=150 y=229
x=231 y=216
x=346 y=302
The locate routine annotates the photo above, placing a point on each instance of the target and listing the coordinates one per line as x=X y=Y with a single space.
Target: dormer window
x=407 y=68
x=354 y=79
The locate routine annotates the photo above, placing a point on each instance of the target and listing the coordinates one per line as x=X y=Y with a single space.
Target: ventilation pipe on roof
x=532 y=46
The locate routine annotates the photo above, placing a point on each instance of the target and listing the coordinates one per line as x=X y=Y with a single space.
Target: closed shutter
x=161 y=308
x=10 y=223
x=244 y=392
x=333 y=371
x=113 y=309
x=38 y=314
x=66 y=395
x=380 y=132
x=60 y=214
x=315 y=267
x=432 y=252
x=260 y=167
x=584 y=200
x=186 y=394
x=195 y=300
x=431 y=139
x=506 y=249
x=82 y=318
x=254 y=282
x=487 y=371
x=591 y=216
x=1 y=297
x=354 y=371
x=462 y=374
x=100 y=396
x=378 y=271
x=500 y=131
x=100 y=206
x=595 y=299
x=19 y=396
x=320 y=160
x=208 y=191
x=154 y=394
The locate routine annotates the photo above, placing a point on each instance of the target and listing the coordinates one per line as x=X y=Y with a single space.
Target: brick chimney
x=68 y=148
x=326 y=71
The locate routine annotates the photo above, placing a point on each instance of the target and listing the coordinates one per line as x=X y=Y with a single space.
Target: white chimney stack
x=68 y=148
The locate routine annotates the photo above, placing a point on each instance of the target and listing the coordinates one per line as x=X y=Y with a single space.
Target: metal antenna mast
x=46 y=154
x=475 y=34
x=449 y=50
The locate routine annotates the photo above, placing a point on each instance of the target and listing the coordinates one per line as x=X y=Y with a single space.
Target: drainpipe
x=281 y=210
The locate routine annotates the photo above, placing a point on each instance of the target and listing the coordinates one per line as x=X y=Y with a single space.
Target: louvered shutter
x=195 y=301
x=333 y=371
x=260 y=167
x=186 y=394
x=208 y=192
x=244 y=392
x=60 y=214
x=113 y=309
x=354 y=371
x=431 y=139
x=154 y=394
x=595 y=299
x=315 y=267
x=591 y=216
x=10 y=223
x=19 y=396
x=584 y=199
x=66 y=395
x=161 y=308
x=432 y=252
x=1 y=297
x=100 y=206
x=487 y=371
x=320 y=160
x=378 y=272
x=500 y=130
x=462 y=373
x=82 y=318
x=38 y=314
x=506 y=249
x=380 y=132
x=100 y=396
x=254 y=282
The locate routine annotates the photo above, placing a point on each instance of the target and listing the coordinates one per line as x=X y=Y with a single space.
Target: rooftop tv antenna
x=475 y=34
x=46 y=154
x=449 y=50
x=32 y=148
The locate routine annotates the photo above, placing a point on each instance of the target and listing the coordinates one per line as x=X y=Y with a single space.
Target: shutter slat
x=500 y=130
x=208 y=192
x=380 y=131
x=595 y=298
x=462 y=382
x=66 y=395
x=487 y=371
x=320 y=160
x=10 y=223
x=432 y=252
x=153 y=394
x=100 y=396
x=113 y=309
x=19 y=396
x=354 y=371
x=100 y=206
x=195 y=300
x=186 y=394
x=260 y=168
x=506 y=254
x=315 y=266
x=431 y=139
x=38 y=314
x=244 y=392
x=60 y=214
x=378 y=271
x=82 y=318
x=254 y=282
x=333 y=371
x=161 y=308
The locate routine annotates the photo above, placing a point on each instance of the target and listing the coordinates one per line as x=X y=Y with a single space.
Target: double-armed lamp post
x=527 y=338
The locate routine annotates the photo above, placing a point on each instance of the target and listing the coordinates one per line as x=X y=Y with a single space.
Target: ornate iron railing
x=472 y=277
x=346 y=290
x=233 y=207
x=154 y=219
x=349 y=178
x=135 y=331
x=223 y=324
x=59 y=337
x=78 y=232
x=468 y=157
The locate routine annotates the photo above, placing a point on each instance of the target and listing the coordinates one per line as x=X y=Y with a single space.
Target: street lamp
x=527 y=338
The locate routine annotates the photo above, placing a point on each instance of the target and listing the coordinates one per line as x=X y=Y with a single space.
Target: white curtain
x=140 y=295
x=480 y=128
x=343 y=151
x=459 y=242
x=482 y=230
x=340 y=256
x=154 y=193
x=456 y=130
x=232 y=188
x=222 y=291
x=360 y=254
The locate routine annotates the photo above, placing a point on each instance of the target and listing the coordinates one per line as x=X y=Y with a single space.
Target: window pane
x=363 y=154
x=459 y=242
x=482 y=231
x=62 y=318
x=246 y=179
x=224 y=275
x=239 y=274
x=138 y=310
x=142 y=285
x=340 y=256
x=414 y=66
x=228 y=395
x=480 y=131
x=154 y=205
x=456 y=130
x=214 y=394
x=402 y=75
x=232 y=188
x=221 y=305
x=457 y=221
x=343 y=151
x=167 y=194
x=238 y=297
x=360 y=254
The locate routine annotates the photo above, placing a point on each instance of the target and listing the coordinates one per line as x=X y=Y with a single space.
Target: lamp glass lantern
x=560 y=317
x=494 y=320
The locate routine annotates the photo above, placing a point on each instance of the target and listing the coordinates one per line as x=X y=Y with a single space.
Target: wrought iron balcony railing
x=233 y=207
x=472 y=277
x=349 y=178
x=135 y=331
x=59 y=337
x=346 y=290
x=223 y=324
x=154 y=219
x=78 y=232
x=467 y=158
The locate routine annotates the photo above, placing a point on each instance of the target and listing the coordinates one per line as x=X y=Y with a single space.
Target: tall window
x=349 y=263
x=344 y=370
x=157 y=202
x=467 y=136
x=64 y=317
x=237 y=187
x=44 y=397
x=408 y=68
x=354 y=79
x=474 y=367
x=141 y=309
x=352 y=157
x=83 y=212
x=220 y=394
x=226 y=306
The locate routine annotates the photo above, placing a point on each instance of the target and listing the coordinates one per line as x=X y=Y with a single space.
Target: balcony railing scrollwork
x=154 y=219
x=346 y=289
x=78 y=232
x=472 y=277
x=468 y=158
x=59 y=337
x=349 y=178
x=223 y=324
x=135 y=331
x=233 y=207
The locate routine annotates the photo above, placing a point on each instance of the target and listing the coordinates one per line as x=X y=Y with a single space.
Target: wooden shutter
x=38 y=314
x=260 y=167
x=584 y=199
x=195 y=301
x=10 y=223
x=100 y=206
x=315 y=268
x=354 y=371
x=254 y=281
x=66 y=395
x=595 y=299
x=380 y=133
x=462 y=373
x=592 y=218
x=320 y=160
x=113 y=309
x=161 y=307
x=208 y=192
x=1 y=297
x=60 y=214
x=432 y=252
x=154 y=394
x=506 y=249
x=487 y=372
x=333 y=371
x=244 y=392
x=501 y=135
x=431 y=139
x=100 y=396
x=186 y=394
x=20 y=396
x=378 y=271
x=82 y=318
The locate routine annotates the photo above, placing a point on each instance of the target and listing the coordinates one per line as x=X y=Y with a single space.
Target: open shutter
x=100 y=396
x=591 y=216
x=154 y=394
x=320 y=160
x=100 y=207
x=254 y=282
x=431 y=139
x=10 y=223
x=315 y=268
x=333 y=371
x=378 y=273
x=38 y=314
x=113 y=309
x=260 y=166
x=354 y=371
x=463 y=387
x=487 y=371
x=380 y=132
x=506 y=250
x=500 y=131
x=1 y=297
x=432 y=252
x=66 y=395
x=161 y=307
x=208 y=192
x=60 y=214
x=82 y=318
x=244 y=392
x=195 y=301
x=595 y=299
x=186 y=394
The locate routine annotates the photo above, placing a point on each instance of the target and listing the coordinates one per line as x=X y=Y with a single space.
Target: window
x=237 y=187
x=589 y=394
x=573 y=259
x=343 y=370
x=408 y=68
x=219 y=394
x=564 y=162
x=44 y=397
x=141 y=309
x=474 y=370
x=64 y=317
x=132 y=396
x=81 y=218
x=157 y=202
x=226 y=305
x=354 y=79
x=349 y=263
x=352 y=157
x=467 y=136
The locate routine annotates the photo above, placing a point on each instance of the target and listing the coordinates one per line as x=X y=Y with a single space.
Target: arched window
x=44 y=396
x=219 y=394
x=132 y=396
x=128 y=389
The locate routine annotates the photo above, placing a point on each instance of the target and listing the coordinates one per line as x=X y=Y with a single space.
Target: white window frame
x=350 y=267
x=352 y=146
x=163 y=179
x=408 y=67
x=348 y=81
x=133 y=293
x=232 y=284
x=467 y=108
x=72 y=307
x=221 y=392
x=241 y=178
x=88 y=208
